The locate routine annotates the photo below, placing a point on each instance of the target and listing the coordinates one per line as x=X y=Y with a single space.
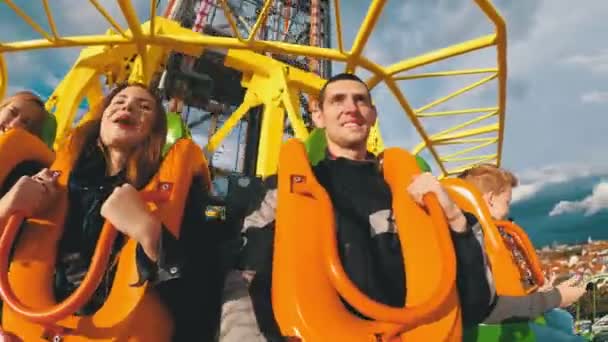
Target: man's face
x=347 y=114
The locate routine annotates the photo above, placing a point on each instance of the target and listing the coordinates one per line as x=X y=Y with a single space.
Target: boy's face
x=499 y=203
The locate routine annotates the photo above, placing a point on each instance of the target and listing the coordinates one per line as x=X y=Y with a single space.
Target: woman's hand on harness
x=427 y=183
x=30 y=195
x=548 y=283
x=125 y=209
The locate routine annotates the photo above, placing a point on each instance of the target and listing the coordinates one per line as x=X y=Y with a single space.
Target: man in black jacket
x=368 y=244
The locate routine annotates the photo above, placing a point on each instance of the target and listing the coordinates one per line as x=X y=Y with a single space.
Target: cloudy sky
x=557 y=58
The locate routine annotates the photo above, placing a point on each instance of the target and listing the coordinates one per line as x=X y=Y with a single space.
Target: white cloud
x=526 y=191
x=590 y=205
x=595 y=97
x=532 y=181
x=595 y=62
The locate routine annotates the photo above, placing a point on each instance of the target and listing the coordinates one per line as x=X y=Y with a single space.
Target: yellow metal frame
x=271 y=83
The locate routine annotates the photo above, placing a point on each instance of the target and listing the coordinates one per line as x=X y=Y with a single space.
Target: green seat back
x=49 y=130
x=422 y=164
x=176 y=129
x=316 y=146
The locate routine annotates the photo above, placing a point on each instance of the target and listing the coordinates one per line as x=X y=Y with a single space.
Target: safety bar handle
x=522 y=241
x=88 y=285
x=408 y=316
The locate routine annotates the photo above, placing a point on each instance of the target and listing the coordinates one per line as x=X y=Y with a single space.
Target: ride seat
x=309 y=282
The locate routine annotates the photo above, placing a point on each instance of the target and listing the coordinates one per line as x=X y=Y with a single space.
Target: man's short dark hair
x=341 y=77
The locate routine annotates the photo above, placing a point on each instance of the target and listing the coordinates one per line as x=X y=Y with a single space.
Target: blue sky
x=557 y=57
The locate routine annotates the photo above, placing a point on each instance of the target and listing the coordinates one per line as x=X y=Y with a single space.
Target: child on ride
x=118 y=152
x=496 y=186
x=23 y=110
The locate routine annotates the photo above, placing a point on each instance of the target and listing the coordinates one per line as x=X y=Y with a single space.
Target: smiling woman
x=132 y=124
x=94 y=184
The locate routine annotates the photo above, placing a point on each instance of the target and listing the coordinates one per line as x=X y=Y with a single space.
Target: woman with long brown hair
x=115 y=154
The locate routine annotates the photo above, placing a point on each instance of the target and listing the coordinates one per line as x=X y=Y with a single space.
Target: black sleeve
x=473 y=287
x=26 y=168
x=258 y=230
x=168 y=265
x=194 y=297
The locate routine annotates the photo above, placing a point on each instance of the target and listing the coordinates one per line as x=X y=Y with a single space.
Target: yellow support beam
x=464 y=141
x=467 y=133
x=250 y=100
x=49 y=17
x=3 y=77
x=436 y=56
x=230 y=18
x=446 y=73
x=28 y=20
x=462 y=125
x=338 y=19
x=108 y=17
x=258 y=23
x=271 y=139
x=135 y=27
x=501 y=41
x=456 y=93
x=369 y=22
x=457 y=159
x=456 y=112
x=67 y=97
x=471 y=149
x=152 y=16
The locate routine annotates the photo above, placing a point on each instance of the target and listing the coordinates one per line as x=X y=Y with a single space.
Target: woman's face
x=21 y=113
x=128 y=119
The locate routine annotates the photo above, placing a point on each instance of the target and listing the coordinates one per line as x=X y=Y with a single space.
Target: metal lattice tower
x=303 y=22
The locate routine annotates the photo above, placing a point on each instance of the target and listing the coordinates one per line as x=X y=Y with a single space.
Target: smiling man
x=368 y=244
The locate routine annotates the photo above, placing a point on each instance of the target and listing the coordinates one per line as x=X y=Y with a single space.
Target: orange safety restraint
x=308 y=278
x=522 y=242
x=506 y=272
x=18 y=145
x=130 y=313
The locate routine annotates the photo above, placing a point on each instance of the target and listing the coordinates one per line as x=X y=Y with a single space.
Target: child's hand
x=548 y=285
x=570 y=292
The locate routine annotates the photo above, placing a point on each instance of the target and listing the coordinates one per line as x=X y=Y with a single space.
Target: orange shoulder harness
x=130 y=313
x=308 y=278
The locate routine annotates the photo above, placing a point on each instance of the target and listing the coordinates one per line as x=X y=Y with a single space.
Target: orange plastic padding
x=306 y=302
x=18 y=145
x=88 y=285
x=504 y=270
x=526 y=247
x=130 y=313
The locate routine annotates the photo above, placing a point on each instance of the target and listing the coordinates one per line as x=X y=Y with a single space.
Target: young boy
x=496 y=186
